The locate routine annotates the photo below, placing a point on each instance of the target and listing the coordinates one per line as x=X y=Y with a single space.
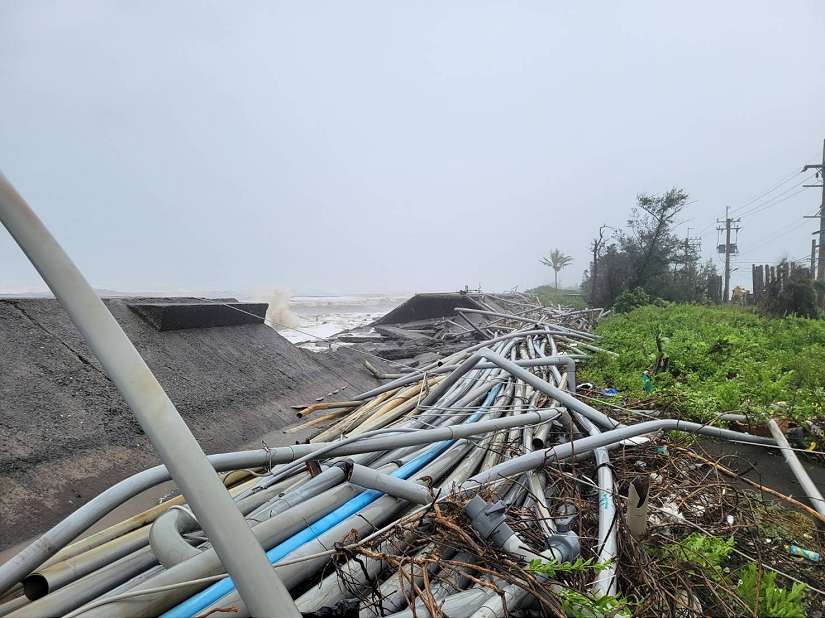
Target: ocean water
x=314 y=318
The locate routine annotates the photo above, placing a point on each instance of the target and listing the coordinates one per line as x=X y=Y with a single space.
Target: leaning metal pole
x=241 y=555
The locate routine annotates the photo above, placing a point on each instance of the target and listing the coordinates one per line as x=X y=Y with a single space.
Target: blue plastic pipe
x=216 y=591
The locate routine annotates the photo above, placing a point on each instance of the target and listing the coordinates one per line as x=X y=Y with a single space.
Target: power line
x=758 y=197
x=770 y=190
x=774 y=235
x=777 y=199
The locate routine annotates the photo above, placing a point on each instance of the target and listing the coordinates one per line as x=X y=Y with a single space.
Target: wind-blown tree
x=557 y=261
x=647 y=254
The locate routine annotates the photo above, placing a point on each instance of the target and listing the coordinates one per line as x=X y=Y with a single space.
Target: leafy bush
x=796 y=296
x=719 y=359
x=632 y=299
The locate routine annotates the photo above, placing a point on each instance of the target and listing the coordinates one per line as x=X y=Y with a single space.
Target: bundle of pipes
x=488 y=421
x=521 y=308
x=488 y=433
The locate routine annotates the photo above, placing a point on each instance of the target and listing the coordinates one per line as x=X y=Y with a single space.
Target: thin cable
x=778 y=199
x=770 y=190
x=774 y=235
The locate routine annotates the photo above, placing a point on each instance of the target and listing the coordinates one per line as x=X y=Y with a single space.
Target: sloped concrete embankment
x=66 y=434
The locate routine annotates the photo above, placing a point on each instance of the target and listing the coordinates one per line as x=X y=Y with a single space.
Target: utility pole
x=691 y=245
x=820 y=271
x=727 y=249
x=813 y=258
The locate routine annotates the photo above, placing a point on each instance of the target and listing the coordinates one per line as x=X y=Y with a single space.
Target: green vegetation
x=576 y=603
x=714 y=359
x=702 y=553
x=648 y=254
x=795 y=295
x=580 y=605
x=551 y=568
x=629 y=300
x=549 y=295
x=768 y=600
x=557 y=261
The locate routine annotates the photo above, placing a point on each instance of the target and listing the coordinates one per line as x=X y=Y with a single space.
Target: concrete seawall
x=66 y=434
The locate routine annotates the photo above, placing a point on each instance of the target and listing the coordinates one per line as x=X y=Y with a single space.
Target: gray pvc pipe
x=518 y=318
x=89 y=586
x=330 y=591
x=568 y=362
x=494 y=605
x=605 y=583
x=808 y=486
x=447 y=384
x=417 y=375
x=390 y=591
x=460 y=605
x=545 y=387
x=9 y=606
x=53 y=575
x=166 y=540
x=607 y=438
x=62 y=533
x=526 y=362
x=243 y=557
x=268 y=533
x=400 y=488
x=357 y=573
x=100 y=581
x=290 y=514
x=367 y=520
x=48 y=579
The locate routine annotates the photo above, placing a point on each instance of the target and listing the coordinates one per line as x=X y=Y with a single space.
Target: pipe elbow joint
x=489 y=520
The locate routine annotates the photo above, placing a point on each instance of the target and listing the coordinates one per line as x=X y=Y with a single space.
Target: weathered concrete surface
x=426 y=306
x=177 y=316
x=66 y=434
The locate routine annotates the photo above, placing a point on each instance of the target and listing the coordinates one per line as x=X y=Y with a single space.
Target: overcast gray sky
x=390 y=147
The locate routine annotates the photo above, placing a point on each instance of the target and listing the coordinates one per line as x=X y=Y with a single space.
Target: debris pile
x=474 y=482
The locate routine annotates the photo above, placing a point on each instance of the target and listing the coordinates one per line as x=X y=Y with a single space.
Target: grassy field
x=719 y=359
x=565 y=297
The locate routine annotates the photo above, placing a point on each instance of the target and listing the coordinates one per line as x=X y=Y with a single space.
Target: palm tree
x=557 y=261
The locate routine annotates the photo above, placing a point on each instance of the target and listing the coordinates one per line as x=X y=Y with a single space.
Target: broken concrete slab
x=394 y=332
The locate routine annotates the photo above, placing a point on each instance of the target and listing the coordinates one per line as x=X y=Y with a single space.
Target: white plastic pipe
x=240 y=553
x=811 y=491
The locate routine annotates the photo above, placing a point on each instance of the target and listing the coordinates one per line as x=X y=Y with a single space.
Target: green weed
x=551 y=568
x=719 y=359
x=580 y=605
x=766 y=598
x=705 y=553
x=564 y=297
